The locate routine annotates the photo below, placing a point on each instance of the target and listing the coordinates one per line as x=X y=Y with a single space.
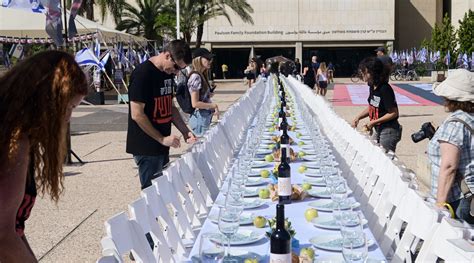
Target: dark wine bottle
x=285 y=138
x=281 y=116
x=280 y=240
x=284 y=179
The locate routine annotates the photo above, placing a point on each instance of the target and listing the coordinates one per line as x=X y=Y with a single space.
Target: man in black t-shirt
x=151 y=111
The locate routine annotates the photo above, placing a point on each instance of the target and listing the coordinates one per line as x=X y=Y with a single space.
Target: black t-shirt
x=153 y=87
x=380 y=100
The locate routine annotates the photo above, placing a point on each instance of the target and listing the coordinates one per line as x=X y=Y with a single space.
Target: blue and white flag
x=97 y=47
x=37 y=6
x=103 y=61
x=447 y=59
x=85 y=57
x=465 y=61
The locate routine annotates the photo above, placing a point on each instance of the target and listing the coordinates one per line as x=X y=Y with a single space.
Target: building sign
x=308 y=20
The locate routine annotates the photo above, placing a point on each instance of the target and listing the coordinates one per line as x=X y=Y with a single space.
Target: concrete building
x=340 y=31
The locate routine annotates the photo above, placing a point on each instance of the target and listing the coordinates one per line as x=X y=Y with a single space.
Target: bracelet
x=449 y=207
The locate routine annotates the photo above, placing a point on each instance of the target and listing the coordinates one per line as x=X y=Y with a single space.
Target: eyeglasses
x=176 y=66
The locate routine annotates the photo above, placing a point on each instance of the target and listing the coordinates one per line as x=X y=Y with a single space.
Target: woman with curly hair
x=383 y=109
x=37 y=97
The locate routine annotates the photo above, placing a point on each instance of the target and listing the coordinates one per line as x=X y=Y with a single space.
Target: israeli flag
x=465 y=61
x=97 y=47
x=85 y=57
x=37 y=6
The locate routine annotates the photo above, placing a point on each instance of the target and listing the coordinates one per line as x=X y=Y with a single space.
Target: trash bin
x=96 y=98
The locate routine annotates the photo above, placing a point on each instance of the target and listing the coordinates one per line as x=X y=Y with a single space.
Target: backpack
x=182 y=93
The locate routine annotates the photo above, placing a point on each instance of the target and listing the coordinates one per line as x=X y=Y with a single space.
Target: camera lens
x=418 y=136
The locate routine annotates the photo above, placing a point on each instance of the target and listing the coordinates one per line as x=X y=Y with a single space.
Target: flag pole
x=178 y=33
x=70 y=152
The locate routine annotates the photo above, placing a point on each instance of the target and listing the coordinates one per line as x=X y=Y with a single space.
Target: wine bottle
x=283 y=103
x=281 y=116
x=285 y=138
x=280 y=240
x=284 y=179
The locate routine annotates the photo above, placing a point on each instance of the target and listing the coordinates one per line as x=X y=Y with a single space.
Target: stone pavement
x=70 y=231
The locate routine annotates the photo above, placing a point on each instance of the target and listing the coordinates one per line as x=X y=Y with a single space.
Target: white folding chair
x=161 y=213
x=166 y=190
x=127 y=236
x=139 y=212
x=440 y=245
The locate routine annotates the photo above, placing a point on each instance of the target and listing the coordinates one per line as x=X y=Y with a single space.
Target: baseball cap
x=202 y=52
x=458 y=86
x=380 y=49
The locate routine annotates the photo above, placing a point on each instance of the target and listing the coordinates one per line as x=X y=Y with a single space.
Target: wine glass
x=229 y=224
x=210 y=251
x=355 y=249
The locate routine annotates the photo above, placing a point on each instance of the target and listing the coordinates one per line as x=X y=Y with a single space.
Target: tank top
x=28 y=199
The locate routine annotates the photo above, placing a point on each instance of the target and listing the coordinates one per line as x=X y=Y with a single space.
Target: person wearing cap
x=151 y=111
x=451 y=150
x=201 y=92
x=386 y=60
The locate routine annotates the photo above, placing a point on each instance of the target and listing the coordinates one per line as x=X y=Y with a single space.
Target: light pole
x=177 y=20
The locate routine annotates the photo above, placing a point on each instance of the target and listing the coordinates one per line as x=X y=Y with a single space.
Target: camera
x=427 y=131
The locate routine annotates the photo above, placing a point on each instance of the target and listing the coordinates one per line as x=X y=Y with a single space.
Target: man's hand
x=216 y=111
x=171 y=141
x=355 y=122
x=190 y=138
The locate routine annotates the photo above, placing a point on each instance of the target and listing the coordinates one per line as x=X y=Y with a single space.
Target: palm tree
x=141 y=20
x=194 y=13
x=115 y=8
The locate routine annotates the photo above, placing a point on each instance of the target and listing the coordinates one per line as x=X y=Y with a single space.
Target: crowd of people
x=35 y=111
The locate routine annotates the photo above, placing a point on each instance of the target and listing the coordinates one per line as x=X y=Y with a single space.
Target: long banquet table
x=294 y=212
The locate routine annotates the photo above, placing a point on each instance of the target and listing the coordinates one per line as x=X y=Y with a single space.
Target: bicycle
x=356 y=77
x=406 y=75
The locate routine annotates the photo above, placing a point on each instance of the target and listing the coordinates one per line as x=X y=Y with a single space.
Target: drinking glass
x=355 y=250
x=351 y=225
x=229 y=224
x=210 y=251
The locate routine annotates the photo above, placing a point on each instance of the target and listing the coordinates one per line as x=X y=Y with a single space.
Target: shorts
x=323 y=84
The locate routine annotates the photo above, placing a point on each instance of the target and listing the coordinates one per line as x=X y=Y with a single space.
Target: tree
x=443 y=38
x=466 y=33
x=115 y=7
x=194 y=13
x=142 y=20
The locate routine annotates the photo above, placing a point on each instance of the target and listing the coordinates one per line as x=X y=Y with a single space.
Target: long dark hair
x=34 y=99
x=379 y=73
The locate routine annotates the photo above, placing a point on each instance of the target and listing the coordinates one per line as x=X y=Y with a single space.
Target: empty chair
x=127 y=236
x=139 y=212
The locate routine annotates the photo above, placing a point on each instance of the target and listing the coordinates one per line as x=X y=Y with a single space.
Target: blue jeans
x=150 y=167
x=462 y=208
x=200 y=121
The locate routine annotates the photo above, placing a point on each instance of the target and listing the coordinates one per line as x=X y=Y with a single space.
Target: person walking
x=201 y=92
x=225 y=70
x=37 y=97
x=383 y=109
x=322 y=76
x=151 y=111
x=331 y=70
x=315 y=67
x=386 y=60
x=450 y=151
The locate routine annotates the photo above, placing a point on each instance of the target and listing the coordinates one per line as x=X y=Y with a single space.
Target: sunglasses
x=176 y=66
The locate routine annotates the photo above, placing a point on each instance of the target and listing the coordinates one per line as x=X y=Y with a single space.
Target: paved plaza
x=70 y=231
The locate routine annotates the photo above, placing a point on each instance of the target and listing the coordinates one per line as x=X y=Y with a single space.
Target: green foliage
x=466 y=33
x=141 y=20
x=443 y=38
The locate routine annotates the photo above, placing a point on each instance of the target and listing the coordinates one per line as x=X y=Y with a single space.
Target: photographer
x=383 y=109
x=451 y=149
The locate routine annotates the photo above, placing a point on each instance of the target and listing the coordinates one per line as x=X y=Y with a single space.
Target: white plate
x=243 y=237
x=248 y=203
x=305 y=137
x=264 y=151
x=256 y=181
x=311 y=158
x=251 y=191
x=327 y=221
x=340 y=259
x=331 y=242
x=259 y=164
x=328 y=205
x=315 y=181
x=246 y=218
x=311 y=152
x=322 y=192
x=267 y=141
x=307 y=147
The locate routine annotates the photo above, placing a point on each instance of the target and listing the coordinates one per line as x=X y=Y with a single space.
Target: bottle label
x=284 y=186
x=279 y=121
x=284 y=109
x=280 y=258
x=287 y=147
